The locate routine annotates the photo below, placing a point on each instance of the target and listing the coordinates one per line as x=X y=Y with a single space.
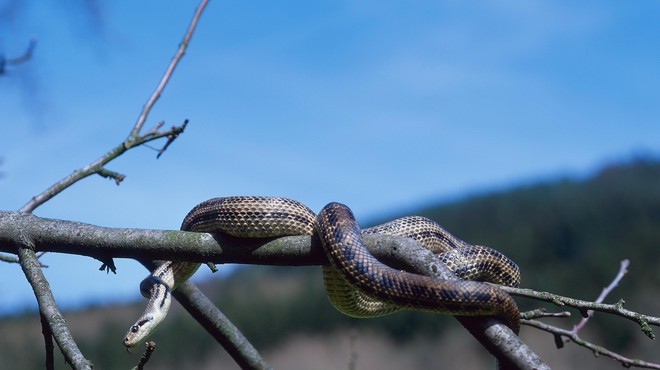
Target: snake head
x=139 y=331
x=159 y=303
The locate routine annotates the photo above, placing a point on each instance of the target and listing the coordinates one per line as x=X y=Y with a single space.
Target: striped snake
x=357 y=283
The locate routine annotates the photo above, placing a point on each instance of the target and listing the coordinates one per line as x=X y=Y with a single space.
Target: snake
x=356 y=283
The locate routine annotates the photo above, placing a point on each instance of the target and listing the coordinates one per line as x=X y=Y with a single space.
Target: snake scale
x=356 y=282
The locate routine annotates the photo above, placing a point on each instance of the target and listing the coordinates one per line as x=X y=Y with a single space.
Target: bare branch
x=48 y=308
x=134 y=135
x=541 y=313
x=623 y=270
x=573 y=336
x=4 y=62
x=96 y=167
x=10 y=259
x=118 y=177
x=597 y=350
x=219 y=326
x=150 y=348
x=85 y=239
x=644 y=321
x=202 y=309
x=171 y=138
x=27 y=258
x=94 y=241
x=134 y=139
x=14 y=259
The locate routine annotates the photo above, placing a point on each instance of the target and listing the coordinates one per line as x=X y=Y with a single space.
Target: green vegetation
x=568 y=237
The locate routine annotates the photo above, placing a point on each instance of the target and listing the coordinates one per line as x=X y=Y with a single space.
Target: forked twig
x=597 y=350
x=142 y=118
x=623 y=270
x=134 y=138
x=572 y=335
x=29 y=260
x=645 y=322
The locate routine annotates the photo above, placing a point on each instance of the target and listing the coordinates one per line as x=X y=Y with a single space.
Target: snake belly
x=356 y=282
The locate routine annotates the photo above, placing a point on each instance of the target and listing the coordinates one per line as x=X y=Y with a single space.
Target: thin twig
x=10 y=259
x=154 y=130
x=48 y=308
x=572 y=335
x=4 y=62
x=14 y=259
x=27 y=258
x=134 y=139
x=96 y=167
x=171 y=138
x=142 y=118
x=597 y=350
x=541 y=313
x=623 y=270
x=150 y=348
x=118 y=177
x=644 y=321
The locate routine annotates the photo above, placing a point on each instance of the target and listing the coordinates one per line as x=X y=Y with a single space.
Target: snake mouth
x=136 y=332
x=128 y=345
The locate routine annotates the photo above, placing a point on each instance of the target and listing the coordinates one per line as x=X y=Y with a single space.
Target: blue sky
x=382 y=106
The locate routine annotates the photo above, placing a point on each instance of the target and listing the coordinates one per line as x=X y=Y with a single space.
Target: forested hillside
x=567 y=235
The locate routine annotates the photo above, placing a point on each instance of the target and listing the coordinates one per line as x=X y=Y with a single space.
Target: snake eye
x=138 y=325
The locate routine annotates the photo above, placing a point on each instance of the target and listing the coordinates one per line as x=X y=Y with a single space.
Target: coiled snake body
x=356 y=282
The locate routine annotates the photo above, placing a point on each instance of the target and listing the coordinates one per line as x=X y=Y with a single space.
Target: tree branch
x=573 y=336
x=94 y=241
x=219 y=326
x=209 y=316
x=26 y=256
x=142 y=118
x=4 y=62
x=597 y=350
x=509 y=350
x=150 y=348
x=10 y=259
x=623 y=270
x=97 y=167
x=134 y=138
x=101 y=242
x=48 y=308
x=645 y=322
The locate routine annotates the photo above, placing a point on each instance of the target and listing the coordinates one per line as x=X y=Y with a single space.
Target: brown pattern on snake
x=340 y=235
x=356 y=282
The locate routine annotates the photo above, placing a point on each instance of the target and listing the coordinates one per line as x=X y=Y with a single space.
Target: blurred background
x=529 y=127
